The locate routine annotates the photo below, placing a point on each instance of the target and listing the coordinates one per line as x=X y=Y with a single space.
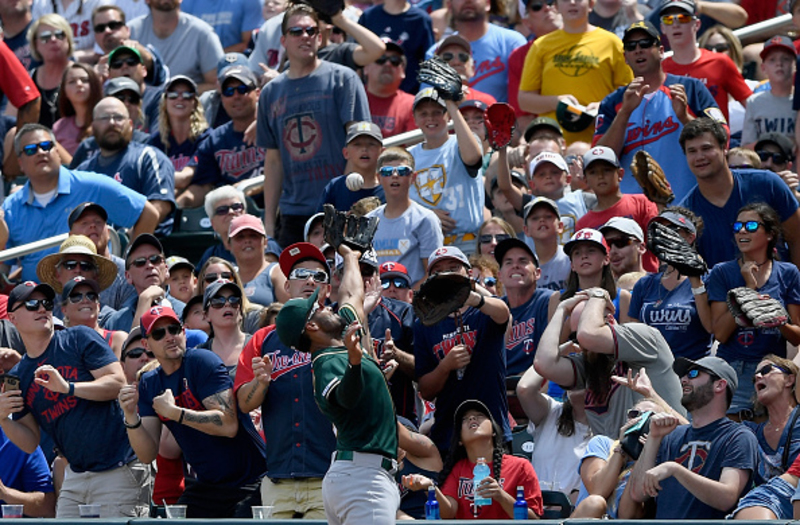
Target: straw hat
x=78 y=244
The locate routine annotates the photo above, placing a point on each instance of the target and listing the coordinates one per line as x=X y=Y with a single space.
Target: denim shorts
x=744 y=395
x=775 y=495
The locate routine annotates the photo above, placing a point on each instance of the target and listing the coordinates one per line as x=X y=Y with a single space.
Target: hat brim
x=46 y=270
x=466 y=406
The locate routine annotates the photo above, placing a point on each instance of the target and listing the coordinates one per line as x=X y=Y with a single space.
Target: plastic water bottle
x=520 y=506
x=479 y=473
x=432 y=505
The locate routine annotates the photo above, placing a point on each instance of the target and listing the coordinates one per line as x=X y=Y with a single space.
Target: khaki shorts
x=121 y=492
x=294 y=496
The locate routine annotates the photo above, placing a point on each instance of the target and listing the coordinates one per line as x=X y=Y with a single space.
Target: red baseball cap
x=155 y=313
x=301 y=251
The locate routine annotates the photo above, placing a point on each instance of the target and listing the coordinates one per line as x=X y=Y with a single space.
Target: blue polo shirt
x=21 y=471
x=29 y=221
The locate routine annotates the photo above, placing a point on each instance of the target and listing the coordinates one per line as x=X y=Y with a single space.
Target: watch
x=599 y=293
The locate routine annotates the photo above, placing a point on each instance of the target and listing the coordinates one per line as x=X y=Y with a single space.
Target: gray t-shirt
x=637 y=346
x=766 y=113
x=191 y=50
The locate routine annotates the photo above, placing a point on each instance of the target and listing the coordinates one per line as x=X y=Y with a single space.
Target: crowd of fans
x=145 y=377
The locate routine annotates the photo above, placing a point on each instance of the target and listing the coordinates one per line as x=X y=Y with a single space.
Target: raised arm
x=549 y=362
x=370 y=47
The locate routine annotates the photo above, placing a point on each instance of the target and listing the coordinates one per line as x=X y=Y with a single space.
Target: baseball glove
x=441 y=295
x=344 y=228
x=651 y=178
x=500 y=122
x=752 y=309
x=442 y=77
x=671 y=248
x=326 y=8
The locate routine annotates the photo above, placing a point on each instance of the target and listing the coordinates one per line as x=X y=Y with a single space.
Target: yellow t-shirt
x=587 y=66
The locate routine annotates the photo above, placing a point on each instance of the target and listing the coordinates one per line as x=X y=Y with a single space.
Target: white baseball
x=354 y=182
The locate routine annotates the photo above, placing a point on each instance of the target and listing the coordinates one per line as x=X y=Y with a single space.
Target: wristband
x=481 y=303
x=180 y=419
x=700 y=290
x=135 y=425
x=71 y=391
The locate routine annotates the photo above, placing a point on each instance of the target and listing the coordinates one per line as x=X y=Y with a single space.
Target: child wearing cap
x=543 y=229
x=181 y=280
x=448 y=177
x=407 y=232
x=772 y=110
x=603 y=174
x=363 y=144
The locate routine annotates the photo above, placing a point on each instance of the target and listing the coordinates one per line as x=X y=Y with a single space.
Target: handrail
x=760 y=30
x=33 y=247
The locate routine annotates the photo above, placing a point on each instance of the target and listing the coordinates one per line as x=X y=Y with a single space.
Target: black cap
x=83 y=207
x=642 y=25
x=141 y=239
x=779 y=139
x=214 y=288
x=503 y=246
x=23 y=291
x=134 y=335
x=77 y=281
x=466 y=406
x=197 y=299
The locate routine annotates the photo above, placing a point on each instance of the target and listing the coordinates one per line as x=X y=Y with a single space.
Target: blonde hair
x=53 y=20
x=734 y=45
x=749 y=154
x=197 y=121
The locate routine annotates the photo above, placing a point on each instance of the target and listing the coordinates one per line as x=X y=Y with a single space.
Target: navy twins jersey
x=299 y=438
x=529 y=322
x=179 y=154
x=224 y=158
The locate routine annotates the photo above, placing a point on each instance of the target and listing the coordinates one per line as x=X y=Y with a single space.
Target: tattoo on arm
x=202 y=417
x=222 y=401
x=253 y=390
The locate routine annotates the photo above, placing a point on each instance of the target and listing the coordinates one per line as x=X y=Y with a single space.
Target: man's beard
x=113 y=143
x=698 y=397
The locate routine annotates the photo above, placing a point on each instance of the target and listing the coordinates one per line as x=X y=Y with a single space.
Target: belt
x=452 y=239
x=366 y=459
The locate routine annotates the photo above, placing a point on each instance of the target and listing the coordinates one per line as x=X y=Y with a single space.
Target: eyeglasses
x=298 y=31
x=487 y=281
x=643 y=43
x=136 y=353
x=130 y=62
x=113 y=25
x=633 y=413
x=620 y=242
x=777 y=158
x=211 y=277
x=302 y=274
x=717 y=48
x=33 y=305
x=668 y=20
x=219 y=301
x=462 y=57
x=241 y=89
x=46 y=36
x=398 y=282
x=486 y=238
x=185 y=95
x=31 y=149
x=155 y=260
x=749 y=226
x=76 y=298
x=226 y=209
x=86 y=266
x=767 y=369
x=392 y=59
x=128 y=98
x=159 y=333
x=402 y=171
x=112 y=118
x=538 y=6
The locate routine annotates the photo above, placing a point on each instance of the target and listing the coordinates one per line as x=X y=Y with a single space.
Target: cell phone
x=10 y=382
x=630 y=443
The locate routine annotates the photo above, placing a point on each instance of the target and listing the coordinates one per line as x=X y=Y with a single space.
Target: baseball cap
x=472 y=103
x=712 y=364
x=196 y=299
x=155 y=313
x=77 y=281
x=291 y=321
x=550 y=203
x=678 y=219
x=75 y=214
x=548 y=156
x=246 y=222
x=447 y=252
x=125 y=49
x=686 y=5
x=23 y=291
x=642 y=25
x=300 y=251
x=230 y=60
x=455 y=40
x=600 y=153
x=140 y=240
x=778 y=42
x=503 y=246
x=241 y=73
x=134 y=335
x=625 y=225
x=392 y=45
x=585 y=235
x=780 y=140
x=428 y=93
x=178 y=79
x=175 y=262
x=120 y=84
x=358 y=129
x=542 y=122
x=394 y=269
x=214 y=288
x=310 y=224
x=466 y=406
x=573 y=117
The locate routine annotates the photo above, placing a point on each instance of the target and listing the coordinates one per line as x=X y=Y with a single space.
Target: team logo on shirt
x=283 y=364
x=302 y=136
x=522 y=332
x=430 y=183
x=576 y=61
x=694 y=455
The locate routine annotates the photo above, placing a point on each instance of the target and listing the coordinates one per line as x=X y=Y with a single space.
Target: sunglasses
x=642 y=43
x=777 y=158
x=392 y=59
x=76 y=298
x=114 y=25
x=402 y=171
x=668 y=20
x=717 y=48
x=185 y=95
x=487 y=281
x=139 y=262
x=538 y=6
x=694 y=373
x=224 y=210
x=31 y=149
x=486 y=238
x=136 y=353
x=130 y=62
x=32 y=305
x=749 y=226
x=241 y=89
x=219 y=301
x=741 y=167
x=462 y=57
x=398 y=282
x=159 y=333
x=211 y=277
x=298 y=31
x=129 y=98
x=302 y=274
x=46 y=36
x=767 y=369
x=86 y=266
x=633 y=413
x=620 y=242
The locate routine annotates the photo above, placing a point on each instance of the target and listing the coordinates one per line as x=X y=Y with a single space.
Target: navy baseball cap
x=23 y=291
x=83 y=207
x=505 y=245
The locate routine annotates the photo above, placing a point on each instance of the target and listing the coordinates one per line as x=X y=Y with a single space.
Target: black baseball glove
x=752 y=309
x=325 y=8
x=441 y=75
x=355 y=232
x=671 y=248
x=441 y=295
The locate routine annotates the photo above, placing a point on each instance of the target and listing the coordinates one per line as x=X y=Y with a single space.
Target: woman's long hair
x=197 y=121
x=65 y=107
x=607 y=283
x=770 y=221
x=458 y=452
